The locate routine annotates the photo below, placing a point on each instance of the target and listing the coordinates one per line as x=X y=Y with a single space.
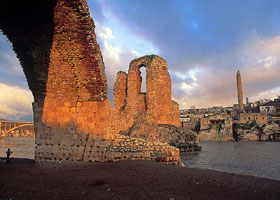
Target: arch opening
x=16 y=98
x=143 y=79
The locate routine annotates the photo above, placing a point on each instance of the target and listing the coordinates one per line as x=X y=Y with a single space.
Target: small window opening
x=143 y=79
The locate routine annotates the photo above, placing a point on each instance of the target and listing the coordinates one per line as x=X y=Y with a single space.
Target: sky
x=204 y=43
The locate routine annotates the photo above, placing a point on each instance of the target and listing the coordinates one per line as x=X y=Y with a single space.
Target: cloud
x=218 y=38
x=116 y=57
x=118 y=46
x=15 y=102
x=15 y=97
x=268 y=94
x=185 y=31
x=10 y=69
x=214 y=85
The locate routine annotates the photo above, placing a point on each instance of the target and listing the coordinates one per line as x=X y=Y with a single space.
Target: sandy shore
x=23 y=179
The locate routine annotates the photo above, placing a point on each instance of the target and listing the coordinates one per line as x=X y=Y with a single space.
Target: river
x=250 y=158
x=21 y=147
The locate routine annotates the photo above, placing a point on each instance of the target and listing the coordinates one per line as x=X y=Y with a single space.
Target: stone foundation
x=129 y=148
x=80 y=131
x=63 y=129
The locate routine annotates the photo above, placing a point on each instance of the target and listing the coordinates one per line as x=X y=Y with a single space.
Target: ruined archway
x=156 y=105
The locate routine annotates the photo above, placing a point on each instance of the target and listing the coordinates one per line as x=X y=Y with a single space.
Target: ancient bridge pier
x=56 y=45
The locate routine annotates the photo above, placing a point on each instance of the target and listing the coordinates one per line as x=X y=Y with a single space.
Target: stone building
x=205 y=123
x=228 y=125
x=260 y=118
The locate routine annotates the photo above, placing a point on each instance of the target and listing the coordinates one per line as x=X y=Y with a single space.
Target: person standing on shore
x=9 y=153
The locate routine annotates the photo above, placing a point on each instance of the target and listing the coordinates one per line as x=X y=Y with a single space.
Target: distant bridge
x=16 y=129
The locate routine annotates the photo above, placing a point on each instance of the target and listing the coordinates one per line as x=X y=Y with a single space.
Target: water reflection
x=251 y=158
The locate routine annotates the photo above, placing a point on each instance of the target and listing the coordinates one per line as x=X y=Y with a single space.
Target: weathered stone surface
x=215 y=133
x=215 y=130
x=254 y=131
x=75 y=103
x=155 y=105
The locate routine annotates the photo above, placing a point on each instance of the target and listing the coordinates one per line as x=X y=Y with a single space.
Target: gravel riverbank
x=24 y=179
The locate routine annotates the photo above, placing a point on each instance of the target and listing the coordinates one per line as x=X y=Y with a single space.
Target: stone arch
x=56 y=45
x=29 y=27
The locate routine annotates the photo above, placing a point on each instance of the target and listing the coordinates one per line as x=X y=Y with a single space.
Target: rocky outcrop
x=253 y=131
x=216 y=132
x=186 y=140
x=250 y=131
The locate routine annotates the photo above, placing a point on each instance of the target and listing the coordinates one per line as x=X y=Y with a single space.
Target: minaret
x=239 y=92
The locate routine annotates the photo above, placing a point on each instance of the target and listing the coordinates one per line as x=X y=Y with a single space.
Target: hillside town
x=258 y=120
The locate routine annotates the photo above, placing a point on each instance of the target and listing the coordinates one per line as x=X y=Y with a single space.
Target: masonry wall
x=75 y=106
x=156 y=104
x=261 y=118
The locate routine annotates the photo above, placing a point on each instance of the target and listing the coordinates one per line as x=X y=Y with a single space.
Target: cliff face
x=216 y=132
x=250 y=131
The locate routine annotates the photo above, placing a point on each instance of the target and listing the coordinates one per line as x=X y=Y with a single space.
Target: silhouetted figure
x=9 y=153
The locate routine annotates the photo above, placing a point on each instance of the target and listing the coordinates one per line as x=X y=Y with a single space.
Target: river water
x=250 y=158
x=21 y=147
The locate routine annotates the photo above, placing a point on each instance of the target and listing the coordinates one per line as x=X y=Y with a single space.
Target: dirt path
x=23 y=179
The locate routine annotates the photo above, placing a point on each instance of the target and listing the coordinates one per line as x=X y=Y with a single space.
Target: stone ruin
x=155 y=106
x=56 y=45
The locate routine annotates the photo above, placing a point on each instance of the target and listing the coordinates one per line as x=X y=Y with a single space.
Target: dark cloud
x=188 y=30
x=10 y=69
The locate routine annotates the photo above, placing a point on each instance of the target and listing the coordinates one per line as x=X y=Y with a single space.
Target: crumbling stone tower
x=239 y=92
x=155 y=106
